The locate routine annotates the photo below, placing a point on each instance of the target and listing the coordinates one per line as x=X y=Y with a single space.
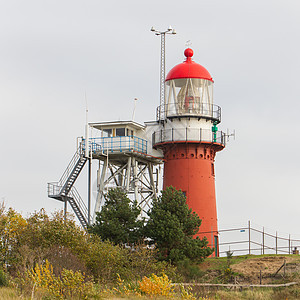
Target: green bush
x=189 y=270
x=3 y=278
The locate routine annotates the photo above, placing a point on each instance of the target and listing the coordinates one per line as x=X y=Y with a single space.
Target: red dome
x=188 y=69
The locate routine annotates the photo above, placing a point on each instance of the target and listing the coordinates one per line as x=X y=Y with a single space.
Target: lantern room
x=189 y=91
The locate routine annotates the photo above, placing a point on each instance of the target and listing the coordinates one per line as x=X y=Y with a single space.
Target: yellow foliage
x=12 y=225
x=125 y=289
x=43 y=276
x=156 y=286
x=186 y=293
x=70 y=284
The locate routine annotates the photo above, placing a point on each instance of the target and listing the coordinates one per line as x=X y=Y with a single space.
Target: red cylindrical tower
x=189 y=138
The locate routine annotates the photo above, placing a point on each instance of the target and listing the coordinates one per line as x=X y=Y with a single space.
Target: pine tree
x=171 y=227
x=118 y=219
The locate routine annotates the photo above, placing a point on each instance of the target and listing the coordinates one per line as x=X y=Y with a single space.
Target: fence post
x=263 y=241
x=289 y=244
x=276 y=242
x=249 y=237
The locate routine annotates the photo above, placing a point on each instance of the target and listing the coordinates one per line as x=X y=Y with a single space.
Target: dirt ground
x=247 y=269
x=269 y=265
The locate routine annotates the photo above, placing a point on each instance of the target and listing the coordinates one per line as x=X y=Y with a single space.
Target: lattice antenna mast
x=162 y=34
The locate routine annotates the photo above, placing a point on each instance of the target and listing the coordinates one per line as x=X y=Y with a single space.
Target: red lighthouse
x=189 y=138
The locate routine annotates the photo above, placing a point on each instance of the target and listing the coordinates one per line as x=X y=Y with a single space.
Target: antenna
x=188 y=43
x=162 y=34
x=133 y=113
x=86 y=127
x=228 y=135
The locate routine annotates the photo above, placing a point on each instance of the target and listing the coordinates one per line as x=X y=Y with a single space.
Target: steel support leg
x=128 y=174
x=100 y=184
x=135 y=178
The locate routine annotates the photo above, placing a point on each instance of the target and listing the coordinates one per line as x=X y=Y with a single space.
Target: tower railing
x=198 y=110
x=117 y=144
x=188 y=135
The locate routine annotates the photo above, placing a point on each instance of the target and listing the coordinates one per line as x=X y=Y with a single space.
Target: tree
x=118 y=219
x=12 y=227
x=171 y=228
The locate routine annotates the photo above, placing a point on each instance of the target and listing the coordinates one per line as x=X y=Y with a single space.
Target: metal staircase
x=78 y=207
x=64 y=190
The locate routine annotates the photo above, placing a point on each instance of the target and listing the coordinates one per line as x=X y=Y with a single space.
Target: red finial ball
x=188 y=52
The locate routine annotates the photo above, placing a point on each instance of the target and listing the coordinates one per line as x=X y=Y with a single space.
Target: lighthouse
x=189 y=138
x=184 y=138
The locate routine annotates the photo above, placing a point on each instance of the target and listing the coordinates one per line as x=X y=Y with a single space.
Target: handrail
x=54 y=189
x=70 y=166
x=188 y=134
x=78 y=200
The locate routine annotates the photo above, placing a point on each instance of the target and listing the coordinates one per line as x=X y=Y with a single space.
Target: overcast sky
x=52 y=52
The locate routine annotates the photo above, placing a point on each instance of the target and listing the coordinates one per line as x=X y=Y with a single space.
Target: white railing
x=188 y=134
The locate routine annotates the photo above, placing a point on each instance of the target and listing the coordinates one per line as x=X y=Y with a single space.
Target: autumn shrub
x=12 y=226
x=43 y=231
x=142 y=261
x=156 y=286
x=104 y=260
x=152 y=286
x=186 y=293
x=25 y=243
x=68 y=246
x=62 y=257
x=69 y=285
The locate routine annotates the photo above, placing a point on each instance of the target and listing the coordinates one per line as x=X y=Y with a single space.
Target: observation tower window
x=129 y=132
x=120 y=131
x=107 y=132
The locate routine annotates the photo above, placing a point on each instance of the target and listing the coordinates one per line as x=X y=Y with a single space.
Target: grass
x=9 y=293
x=219 y=263
x=211 y=270
x=291 y=293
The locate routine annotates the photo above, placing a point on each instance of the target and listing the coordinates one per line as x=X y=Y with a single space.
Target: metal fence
x=252 y=240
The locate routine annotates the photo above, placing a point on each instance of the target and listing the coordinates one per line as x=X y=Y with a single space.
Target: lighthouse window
x=212 y=170
x=120 y=131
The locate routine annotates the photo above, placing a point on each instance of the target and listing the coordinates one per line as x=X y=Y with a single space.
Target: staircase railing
x=70 y=166
x=81 y=206
x=74 y=198
x=53 y=189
